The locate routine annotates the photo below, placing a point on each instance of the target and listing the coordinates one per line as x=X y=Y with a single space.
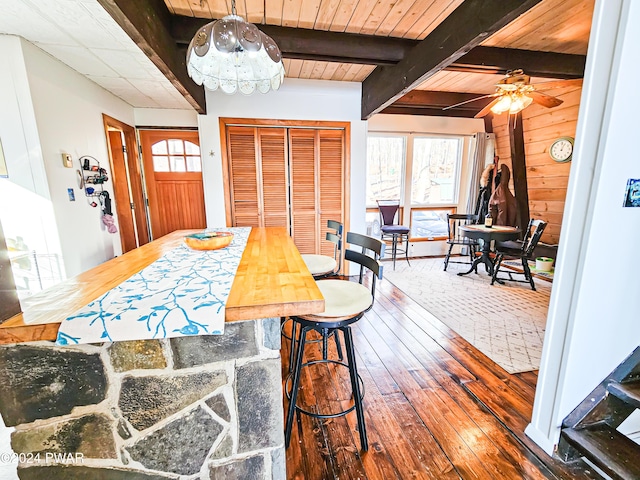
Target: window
x=423 y=172
x=176 y=155
x=385 y=161
x=434 y=170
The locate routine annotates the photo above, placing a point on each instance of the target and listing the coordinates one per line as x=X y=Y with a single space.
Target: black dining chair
x=390 y=230
x=510 y=251
x=454 y=222
x=345 y=303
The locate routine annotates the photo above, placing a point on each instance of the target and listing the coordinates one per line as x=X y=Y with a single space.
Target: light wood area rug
x=505 y=322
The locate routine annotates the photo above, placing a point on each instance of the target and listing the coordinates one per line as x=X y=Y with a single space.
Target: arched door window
x=176 y=155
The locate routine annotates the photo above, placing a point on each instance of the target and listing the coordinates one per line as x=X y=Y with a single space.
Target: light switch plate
x=67 y=160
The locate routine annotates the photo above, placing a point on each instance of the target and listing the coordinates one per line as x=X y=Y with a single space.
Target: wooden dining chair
x=524 y=254
x=454 y=222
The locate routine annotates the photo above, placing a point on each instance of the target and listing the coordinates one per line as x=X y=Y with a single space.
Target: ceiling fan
x=515 y=92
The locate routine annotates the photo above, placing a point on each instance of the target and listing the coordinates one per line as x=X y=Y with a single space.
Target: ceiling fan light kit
x=234 y=55
x=514 y=93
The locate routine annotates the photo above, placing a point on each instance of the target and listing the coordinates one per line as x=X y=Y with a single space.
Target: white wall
x=438 y=126
x=163 y=117
x=296 y=100
x=593 y=321
x=26 y=209
x=68 y=112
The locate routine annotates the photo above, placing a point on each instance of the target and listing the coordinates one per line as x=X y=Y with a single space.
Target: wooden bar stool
x=345 y=303
x=320 y=266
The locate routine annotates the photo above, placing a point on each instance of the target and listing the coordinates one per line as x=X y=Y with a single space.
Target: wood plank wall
x=547 y=180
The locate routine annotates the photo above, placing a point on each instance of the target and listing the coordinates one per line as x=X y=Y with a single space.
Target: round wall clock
x=561 y=150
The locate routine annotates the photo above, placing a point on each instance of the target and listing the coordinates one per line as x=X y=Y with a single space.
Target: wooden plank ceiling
x=392 y=47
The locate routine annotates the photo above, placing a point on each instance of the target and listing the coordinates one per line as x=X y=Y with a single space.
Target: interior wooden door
x=173 y=176
x=126 y=173
x=121 y=192
x=303 y=167
x=330 y=183
x=258 y=176
x=273 y=180
x=293 y=177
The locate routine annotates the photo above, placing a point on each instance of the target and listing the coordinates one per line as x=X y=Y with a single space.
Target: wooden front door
x=173 y=175
x=127 y=183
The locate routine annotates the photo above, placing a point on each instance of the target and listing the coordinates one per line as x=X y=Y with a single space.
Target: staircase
x=590 y=430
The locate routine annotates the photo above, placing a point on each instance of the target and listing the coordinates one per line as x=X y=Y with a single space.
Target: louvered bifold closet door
x=302 y=164
x=330 y=183
x=243 y=174
x=273 y=163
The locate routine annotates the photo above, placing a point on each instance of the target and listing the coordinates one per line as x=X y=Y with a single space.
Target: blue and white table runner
x=183 y=293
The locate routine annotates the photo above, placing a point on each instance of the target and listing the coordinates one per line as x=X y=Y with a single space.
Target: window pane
x=435 y=162
x=176 y=146
x=160 y=164
x=191 y=148
x=429 y=223
x=384 y=168
x=193 y=164
x=177 y=164
x=159 y=148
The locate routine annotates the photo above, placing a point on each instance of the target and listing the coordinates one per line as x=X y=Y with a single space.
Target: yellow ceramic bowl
x=208 y=240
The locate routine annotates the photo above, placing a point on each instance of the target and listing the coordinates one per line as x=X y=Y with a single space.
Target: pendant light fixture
x=234 y=55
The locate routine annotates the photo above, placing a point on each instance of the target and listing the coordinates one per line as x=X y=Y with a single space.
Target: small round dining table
x=498 y=233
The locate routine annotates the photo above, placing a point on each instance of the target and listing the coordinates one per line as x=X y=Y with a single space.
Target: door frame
x=224 y=122
x=139 y=225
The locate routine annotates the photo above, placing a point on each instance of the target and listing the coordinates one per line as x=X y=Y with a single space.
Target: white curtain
x=483 y=148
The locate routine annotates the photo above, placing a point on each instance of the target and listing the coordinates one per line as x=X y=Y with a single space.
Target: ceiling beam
x=425 y=102
x=319 y=45
x=465 y=28
x=148 y=23
x=307 y=44
x=534 y=63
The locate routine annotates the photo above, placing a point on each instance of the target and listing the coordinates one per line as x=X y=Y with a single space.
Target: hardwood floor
x=435 y=407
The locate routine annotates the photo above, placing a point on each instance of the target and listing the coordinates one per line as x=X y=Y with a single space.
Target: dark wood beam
x=536 y=64
x=430 y=112
x=468 y=25
x=488 y=123
x=148 y=23
x=425 y=102
x=519 y=169
x=305 y=44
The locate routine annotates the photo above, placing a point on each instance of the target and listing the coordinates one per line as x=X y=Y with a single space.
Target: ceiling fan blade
x=574 y=82
x=486 y=109
x=544 y=99
x=469 y=101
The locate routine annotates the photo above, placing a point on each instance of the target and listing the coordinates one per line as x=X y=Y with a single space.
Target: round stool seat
x=319 y=264
x=397 y=229
x=342 y=300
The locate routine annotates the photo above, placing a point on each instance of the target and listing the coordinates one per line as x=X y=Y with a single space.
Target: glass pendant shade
x=502 y=105
x=234 y=55
x=519 y=103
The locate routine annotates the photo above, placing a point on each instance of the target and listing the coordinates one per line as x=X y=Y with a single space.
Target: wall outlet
x=67 y=161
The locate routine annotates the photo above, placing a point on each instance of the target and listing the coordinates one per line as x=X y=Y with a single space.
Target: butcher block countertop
x=271 y=281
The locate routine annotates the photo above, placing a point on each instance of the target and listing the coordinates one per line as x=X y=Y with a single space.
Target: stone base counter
x=205 y=407
x=194 y=407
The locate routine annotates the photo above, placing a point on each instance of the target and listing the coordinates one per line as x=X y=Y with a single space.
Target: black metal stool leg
x=325 y=335
x=406 y=250
x=355 y=386
x=394 y=249
x=336 y=337
x=294 y=388
x=292 y=347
